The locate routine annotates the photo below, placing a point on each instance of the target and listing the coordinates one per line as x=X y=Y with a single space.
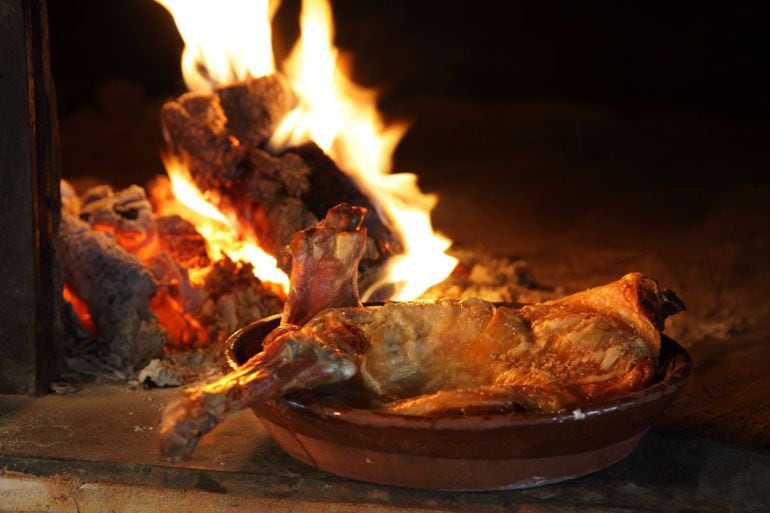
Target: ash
x=497 y=279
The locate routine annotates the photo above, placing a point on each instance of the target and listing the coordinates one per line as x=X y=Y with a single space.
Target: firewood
x=221 y=138
x=180 y=239
x=127 y=214
x=194 y=128
x=157 y=242
x=255 y=107
x=118 y=290
x=130 y=268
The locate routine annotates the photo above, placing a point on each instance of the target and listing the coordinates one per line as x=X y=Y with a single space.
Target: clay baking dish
x=514 y=450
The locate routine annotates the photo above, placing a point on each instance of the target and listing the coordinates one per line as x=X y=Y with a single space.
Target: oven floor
x=95 y=450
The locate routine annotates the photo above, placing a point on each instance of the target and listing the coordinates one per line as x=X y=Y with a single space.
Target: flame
x=332 y=111
x=225 y=40
x=224 y=234
x=342 y=119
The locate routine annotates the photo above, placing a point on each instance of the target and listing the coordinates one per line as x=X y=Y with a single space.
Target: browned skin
x=449 y=357
x=276 y=371
x=324 y=268
x=433 y=358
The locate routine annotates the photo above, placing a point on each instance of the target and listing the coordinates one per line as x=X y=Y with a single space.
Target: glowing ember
x=183 y=329
x=224 y=234
x=336 y=114
x=81 y=310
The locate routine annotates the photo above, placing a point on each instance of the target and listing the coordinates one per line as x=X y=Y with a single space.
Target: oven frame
x=30 y=203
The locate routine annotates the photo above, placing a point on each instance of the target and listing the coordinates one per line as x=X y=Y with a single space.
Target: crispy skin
x=274 y=372
x=447 y=357
x=433 y=358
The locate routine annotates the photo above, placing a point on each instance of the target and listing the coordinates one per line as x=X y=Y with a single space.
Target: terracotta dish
x=477 y=452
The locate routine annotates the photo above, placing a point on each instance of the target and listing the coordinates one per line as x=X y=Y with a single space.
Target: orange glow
x=224 y=234
x=182 y=328
x=81 y=311
x=226 y=42
x=138 y=243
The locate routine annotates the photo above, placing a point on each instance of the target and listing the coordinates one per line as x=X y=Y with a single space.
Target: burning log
x=115 y=285
x=127 y=280
x=220 y=137
x=255 y=107
x=252 y=152
x=181 y=240
x=128 y=216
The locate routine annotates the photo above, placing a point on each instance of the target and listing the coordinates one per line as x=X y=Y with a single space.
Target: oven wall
x=29 y=201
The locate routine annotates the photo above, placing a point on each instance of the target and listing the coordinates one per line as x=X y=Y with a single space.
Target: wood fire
x=253 y=156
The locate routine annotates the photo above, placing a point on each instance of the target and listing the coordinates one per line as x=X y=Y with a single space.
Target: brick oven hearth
x=582 y=206
x=95 y=450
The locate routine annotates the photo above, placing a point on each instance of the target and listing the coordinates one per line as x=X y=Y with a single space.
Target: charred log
x=194 y=127
x=255 y=107
x=118 y=289
x=126 y=272
x=127 y=214
x=179 y=238
x=221 y=137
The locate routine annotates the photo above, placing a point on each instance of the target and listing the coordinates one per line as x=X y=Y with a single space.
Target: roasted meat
x=446 y=357
x=324 y=265
x=434 y=358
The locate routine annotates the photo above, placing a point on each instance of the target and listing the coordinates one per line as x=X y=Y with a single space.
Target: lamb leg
x=325 y=261
x=324 y=271
x=291 y=364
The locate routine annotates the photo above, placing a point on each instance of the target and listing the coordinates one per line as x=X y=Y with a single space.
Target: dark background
x=698 y=57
